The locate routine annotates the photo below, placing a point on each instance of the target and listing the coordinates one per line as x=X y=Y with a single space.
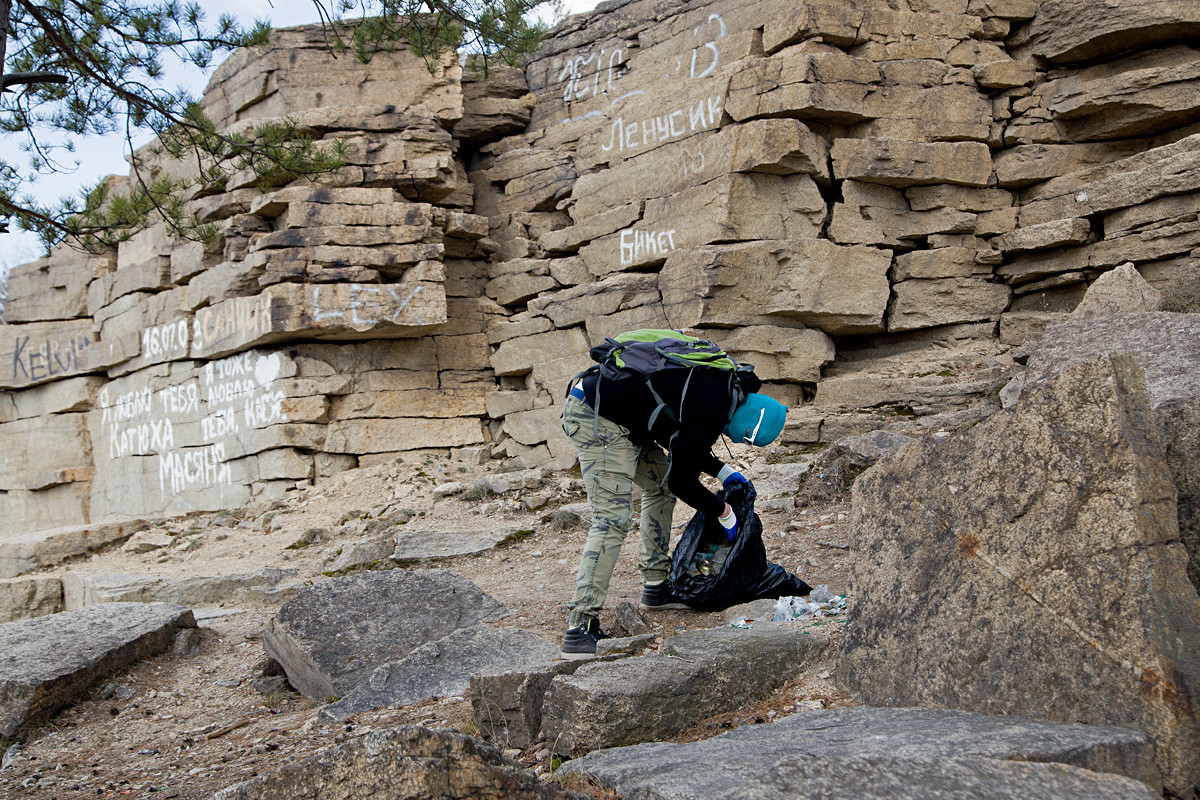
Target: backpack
x=643 y=353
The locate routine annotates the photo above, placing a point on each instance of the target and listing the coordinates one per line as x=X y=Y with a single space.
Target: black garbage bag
x=710 y=575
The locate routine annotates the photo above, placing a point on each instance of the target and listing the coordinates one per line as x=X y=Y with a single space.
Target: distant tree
x=73 y=68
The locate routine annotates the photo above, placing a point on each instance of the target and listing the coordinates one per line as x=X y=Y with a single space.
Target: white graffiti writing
x=147 y=438
x=183 y=399
x=361 y=310
x=578 y=86
x=599 y=74
x=194 y=468
x=130 y=405
x=665 y=127
x=166 y=341
x=713 y=56
x=241 y=319
x=226 y=397
x=229 y=391
x=219 y=424
x=637 y=244
x=228 y=367
x=265 y=410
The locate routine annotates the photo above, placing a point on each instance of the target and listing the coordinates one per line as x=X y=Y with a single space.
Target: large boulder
x=635 y=700
x=332 y=636
x=444 y=668
x=1167 y=348
x=47 y=663
x=1031 y=565
x=409 y=763
x=912 y=744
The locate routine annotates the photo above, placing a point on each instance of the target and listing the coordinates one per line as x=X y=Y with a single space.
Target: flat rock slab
x=409 y=763
x=635 y=700
x=507 y=706
x=82 y=589
x=413 y=545
x=727 y=765
x=444 y=668
x=973 y=778
x=48 y=662
x=25 y=552
x=332 y=636
x=1166 y=346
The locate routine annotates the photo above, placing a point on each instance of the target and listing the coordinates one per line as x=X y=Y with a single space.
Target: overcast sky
x=100 y=156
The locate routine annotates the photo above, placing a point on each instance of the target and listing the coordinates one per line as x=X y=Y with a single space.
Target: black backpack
x=641 y=354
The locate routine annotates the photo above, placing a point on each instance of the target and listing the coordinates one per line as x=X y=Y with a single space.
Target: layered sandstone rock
x=792 y=182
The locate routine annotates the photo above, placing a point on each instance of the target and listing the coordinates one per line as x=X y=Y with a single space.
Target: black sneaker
x=659 y=597
x=580 y=642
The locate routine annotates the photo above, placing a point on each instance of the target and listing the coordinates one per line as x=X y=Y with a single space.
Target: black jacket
x=705 y=411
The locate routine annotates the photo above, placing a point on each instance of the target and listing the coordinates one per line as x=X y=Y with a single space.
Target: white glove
x=729 y=522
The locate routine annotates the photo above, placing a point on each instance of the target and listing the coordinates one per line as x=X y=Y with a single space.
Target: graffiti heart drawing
x=267 y=369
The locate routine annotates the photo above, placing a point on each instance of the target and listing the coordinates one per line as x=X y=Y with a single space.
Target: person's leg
x=658 y=506
x=608 y=461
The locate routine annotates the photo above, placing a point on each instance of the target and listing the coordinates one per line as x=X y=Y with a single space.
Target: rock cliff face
x=1057 y=590
x=793 y=181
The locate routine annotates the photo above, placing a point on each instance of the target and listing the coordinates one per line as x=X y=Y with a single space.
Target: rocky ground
x=184 y=726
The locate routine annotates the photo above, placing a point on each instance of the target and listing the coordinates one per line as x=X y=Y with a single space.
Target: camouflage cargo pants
x=611 y=465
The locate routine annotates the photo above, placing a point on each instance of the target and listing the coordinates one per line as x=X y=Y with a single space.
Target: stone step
x=444 y=668
x=855 y=752
x=332 y=636
x=82 y=589
x=25 y=552
x=403 y=763
x=48 y=663
x=694 y=675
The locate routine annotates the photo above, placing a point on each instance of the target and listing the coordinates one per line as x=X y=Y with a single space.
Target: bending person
x=616 y=450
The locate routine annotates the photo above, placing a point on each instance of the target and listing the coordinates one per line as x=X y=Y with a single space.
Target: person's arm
x=690 y=456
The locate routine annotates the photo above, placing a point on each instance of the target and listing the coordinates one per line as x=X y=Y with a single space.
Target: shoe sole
x=666 y=607
x=576 y=656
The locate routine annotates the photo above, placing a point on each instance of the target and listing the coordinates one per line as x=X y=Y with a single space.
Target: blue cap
x=758 y=420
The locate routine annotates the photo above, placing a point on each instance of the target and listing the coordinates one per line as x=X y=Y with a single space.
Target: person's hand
x=730 y=476
x=729 y=522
